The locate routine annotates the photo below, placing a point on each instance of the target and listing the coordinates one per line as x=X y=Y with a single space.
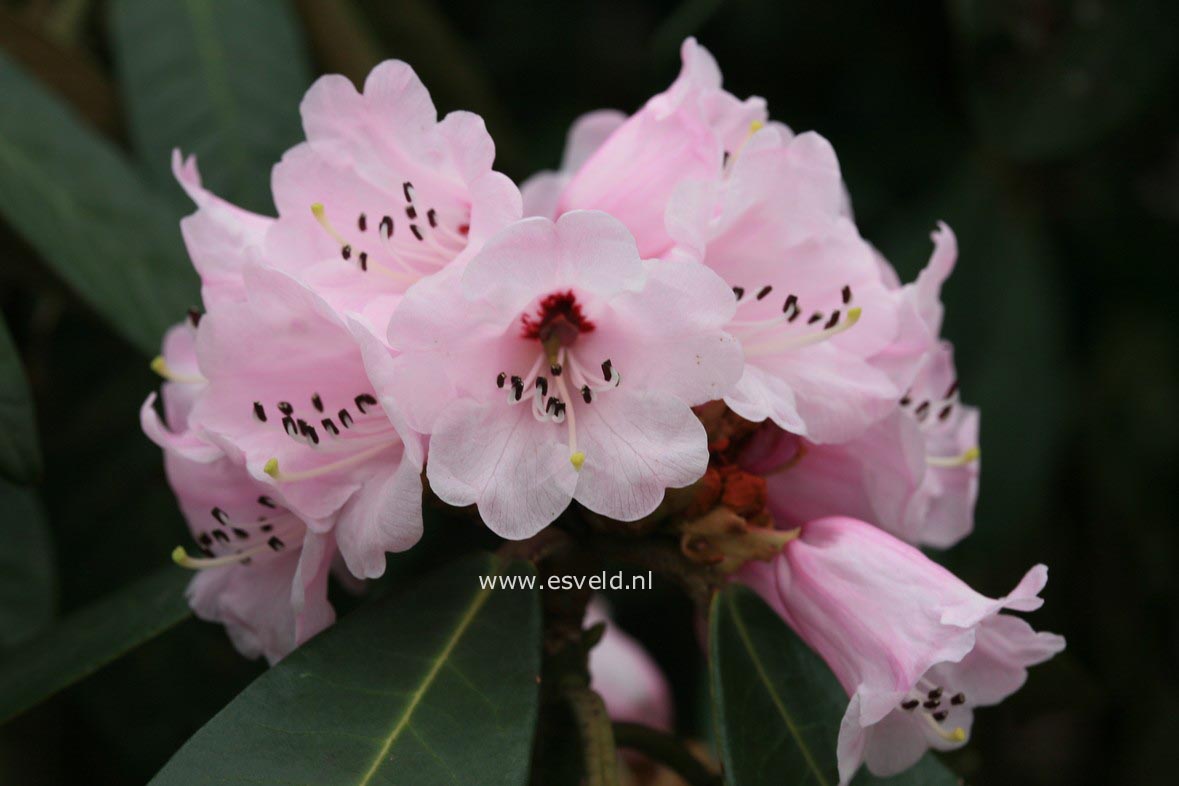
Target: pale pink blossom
x=813 y=305
x=630 y=167
x=560 y=366
x=262 y=574
x=626 y=676
x=383 y=193
x=915 y=648
x=289 y=395
x=916 y=472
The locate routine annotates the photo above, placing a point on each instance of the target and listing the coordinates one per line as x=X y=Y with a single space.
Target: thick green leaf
x=27 y=576
x=74 y=198
x=88 y=639
x=20 y=453
x=219 y=78
x=777 y=706
x=437 y=685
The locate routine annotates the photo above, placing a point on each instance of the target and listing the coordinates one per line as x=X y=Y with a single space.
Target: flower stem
x=667 y=750
x=597 y=737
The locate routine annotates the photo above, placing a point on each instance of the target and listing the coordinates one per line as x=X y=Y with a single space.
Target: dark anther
x=313 y=434
x=922 y=410
x=517 y=382
x=240 y=534
x=725 y=158
x=739 y=292
x=208 y=552
x=936 y=693
x=285 y=407
x=607 y=370
x=194 y=316
x=833 y=321
x=952 y=389
x=416 y=232
x=345 y=418
x=303 y=427
x=267 y=527
x=259 y=411
x=407 y=189
x=346 y=252
x=940 y=715
x=266 y=502
x=386 y=227
x=586 y=394
x=542 y=384
x=362 y=400
x=559 y=409
x=815 y=317
x=288 y=424
x=761 y=293
x=275 y=543
x=317 y=402
x=432 y=217
x=219 y=514
x=364 y=260
x=517 y=388
x=555 y=369
x=931 y=704
x=411 y=212
x=329 y=426
x=362 y=223
x=205 y=540
x=958 y=698
x=945 y=412
x=551 y=404
x=911 y=704
x=220 y=536
x=790 y=304
x=501 y=379
x=846 y=293
x=906 y=400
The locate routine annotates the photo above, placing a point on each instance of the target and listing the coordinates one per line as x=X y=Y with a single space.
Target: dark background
x=1044 y=132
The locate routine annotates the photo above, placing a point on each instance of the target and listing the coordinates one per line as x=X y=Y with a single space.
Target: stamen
x=501 y=379
x=576 y=457
x=739 y=292
x=951 y=462
x=259 y=412
x=161 y=367
x=767 y=289
x=317 y=402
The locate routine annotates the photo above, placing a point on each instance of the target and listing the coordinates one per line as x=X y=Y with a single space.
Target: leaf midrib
x=739 y=623
x=439 y=661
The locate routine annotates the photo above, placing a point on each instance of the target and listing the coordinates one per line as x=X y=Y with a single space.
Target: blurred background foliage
x=1044 y=131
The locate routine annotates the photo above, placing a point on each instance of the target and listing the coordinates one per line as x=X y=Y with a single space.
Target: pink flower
x=560 y=366
x=262 y=574
x=382 y=193
x=915 y=473
x=629 y=167
x=289 y=395
x=915 y=648
x=625 y=676
x=814 y=308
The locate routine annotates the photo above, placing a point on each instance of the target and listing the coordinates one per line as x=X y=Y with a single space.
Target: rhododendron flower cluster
x=411 y=318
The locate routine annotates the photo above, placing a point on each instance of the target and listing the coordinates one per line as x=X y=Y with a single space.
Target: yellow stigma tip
x=756 y=126
x=179 y=555
x=958 y=735
x=160 y=366
x=271 y=468
x=577 y=459
x=972 y=454
x=853 y=315
x=317 y=209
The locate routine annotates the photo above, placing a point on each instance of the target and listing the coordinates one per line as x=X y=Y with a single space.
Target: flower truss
x=686 y=303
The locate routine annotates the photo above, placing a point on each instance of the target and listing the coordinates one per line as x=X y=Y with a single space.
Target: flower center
x=558 y=322
x=934 y=413
x=932 y=703
x=237 y=540
x=406 y=249
x=330 y=430
x=558 y=378
x=791 y=328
